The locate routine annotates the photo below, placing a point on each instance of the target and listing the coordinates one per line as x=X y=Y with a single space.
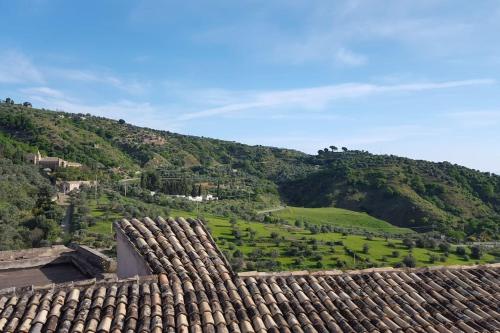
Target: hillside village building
x=72 y=185
x=186 y=285
x=52 y=163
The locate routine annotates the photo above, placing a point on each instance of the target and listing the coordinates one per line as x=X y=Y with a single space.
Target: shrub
x=409 y=261
x=433 y=258
x=460 y=251
x=409 y=243
x=444 y=246
x=395 y=254
x=476 y=252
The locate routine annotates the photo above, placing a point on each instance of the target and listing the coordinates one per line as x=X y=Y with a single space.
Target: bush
x=395 y=254
x=460 y=251
x=476 y=252
x=433 y=258
x=409 y=243
x=409 y=261
x=444 y=246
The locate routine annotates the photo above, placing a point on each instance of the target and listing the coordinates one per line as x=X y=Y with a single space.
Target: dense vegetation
x=417 y=194
x=420 y=195
x=28 y=216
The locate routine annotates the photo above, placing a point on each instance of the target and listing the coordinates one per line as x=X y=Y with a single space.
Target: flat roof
x=41 y=275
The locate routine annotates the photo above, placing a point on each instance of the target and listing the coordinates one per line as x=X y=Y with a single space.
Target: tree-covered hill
x=28 y=216
x=410 y=193
x=418 y=194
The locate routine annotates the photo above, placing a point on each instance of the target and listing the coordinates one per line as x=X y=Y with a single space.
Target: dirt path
x=66 y=222
x=270 y=210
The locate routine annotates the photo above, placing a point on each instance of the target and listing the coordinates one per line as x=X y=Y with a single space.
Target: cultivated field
x=266 y=246
x=339 y=217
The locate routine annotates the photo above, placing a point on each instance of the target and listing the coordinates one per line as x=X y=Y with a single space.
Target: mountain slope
x=408 y=193
x=418 y=194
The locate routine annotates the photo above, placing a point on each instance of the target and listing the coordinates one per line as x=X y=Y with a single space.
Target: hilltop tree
x=344 y=149
x=333 y=148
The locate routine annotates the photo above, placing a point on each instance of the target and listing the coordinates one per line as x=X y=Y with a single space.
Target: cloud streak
x=317 y=98
x=130 y=86
x=16 y=68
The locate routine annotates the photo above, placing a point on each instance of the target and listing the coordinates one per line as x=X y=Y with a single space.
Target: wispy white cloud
x=138 y=113
x=350 y=58
x=477 y=118
x=17 y=68
x=318 y=97
x=42 y=91
x=331 y=31
x=82 y=75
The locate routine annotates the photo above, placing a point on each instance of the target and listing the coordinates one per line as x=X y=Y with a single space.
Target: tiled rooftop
x=196 y=291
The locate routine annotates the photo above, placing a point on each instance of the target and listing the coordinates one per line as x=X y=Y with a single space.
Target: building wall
x=130 y=262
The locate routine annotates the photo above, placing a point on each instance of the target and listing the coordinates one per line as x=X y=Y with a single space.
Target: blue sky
x=411 y=78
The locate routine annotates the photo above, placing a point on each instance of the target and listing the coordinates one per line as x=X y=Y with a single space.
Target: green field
x=379 y=252
x=265 y=253
x=339 y=217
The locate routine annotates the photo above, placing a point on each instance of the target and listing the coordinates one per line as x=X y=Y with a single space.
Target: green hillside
x=337 y=217
x=418 y=194
x=404 y=192
x=28 y=217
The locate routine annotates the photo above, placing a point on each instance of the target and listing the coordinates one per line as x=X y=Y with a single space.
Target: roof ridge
x=367 y=270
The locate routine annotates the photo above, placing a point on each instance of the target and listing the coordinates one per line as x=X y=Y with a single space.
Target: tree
x=445 y=246
x=366 y=248
x=233 y=221
x=333 y=148
x=476 y=252
x=275 y=253
x=252 y=234
x=409 y=243
x=121 y=121
x=460 y=251
x=409 y=261
x=344 y=149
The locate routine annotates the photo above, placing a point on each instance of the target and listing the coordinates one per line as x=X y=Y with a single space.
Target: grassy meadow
x=338 y=217
x=266 y=246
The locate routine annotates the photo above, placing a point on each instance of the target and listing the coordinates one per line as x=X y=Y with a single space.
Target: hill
x=28 y=217
x=337 y=217
x=408 y=193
